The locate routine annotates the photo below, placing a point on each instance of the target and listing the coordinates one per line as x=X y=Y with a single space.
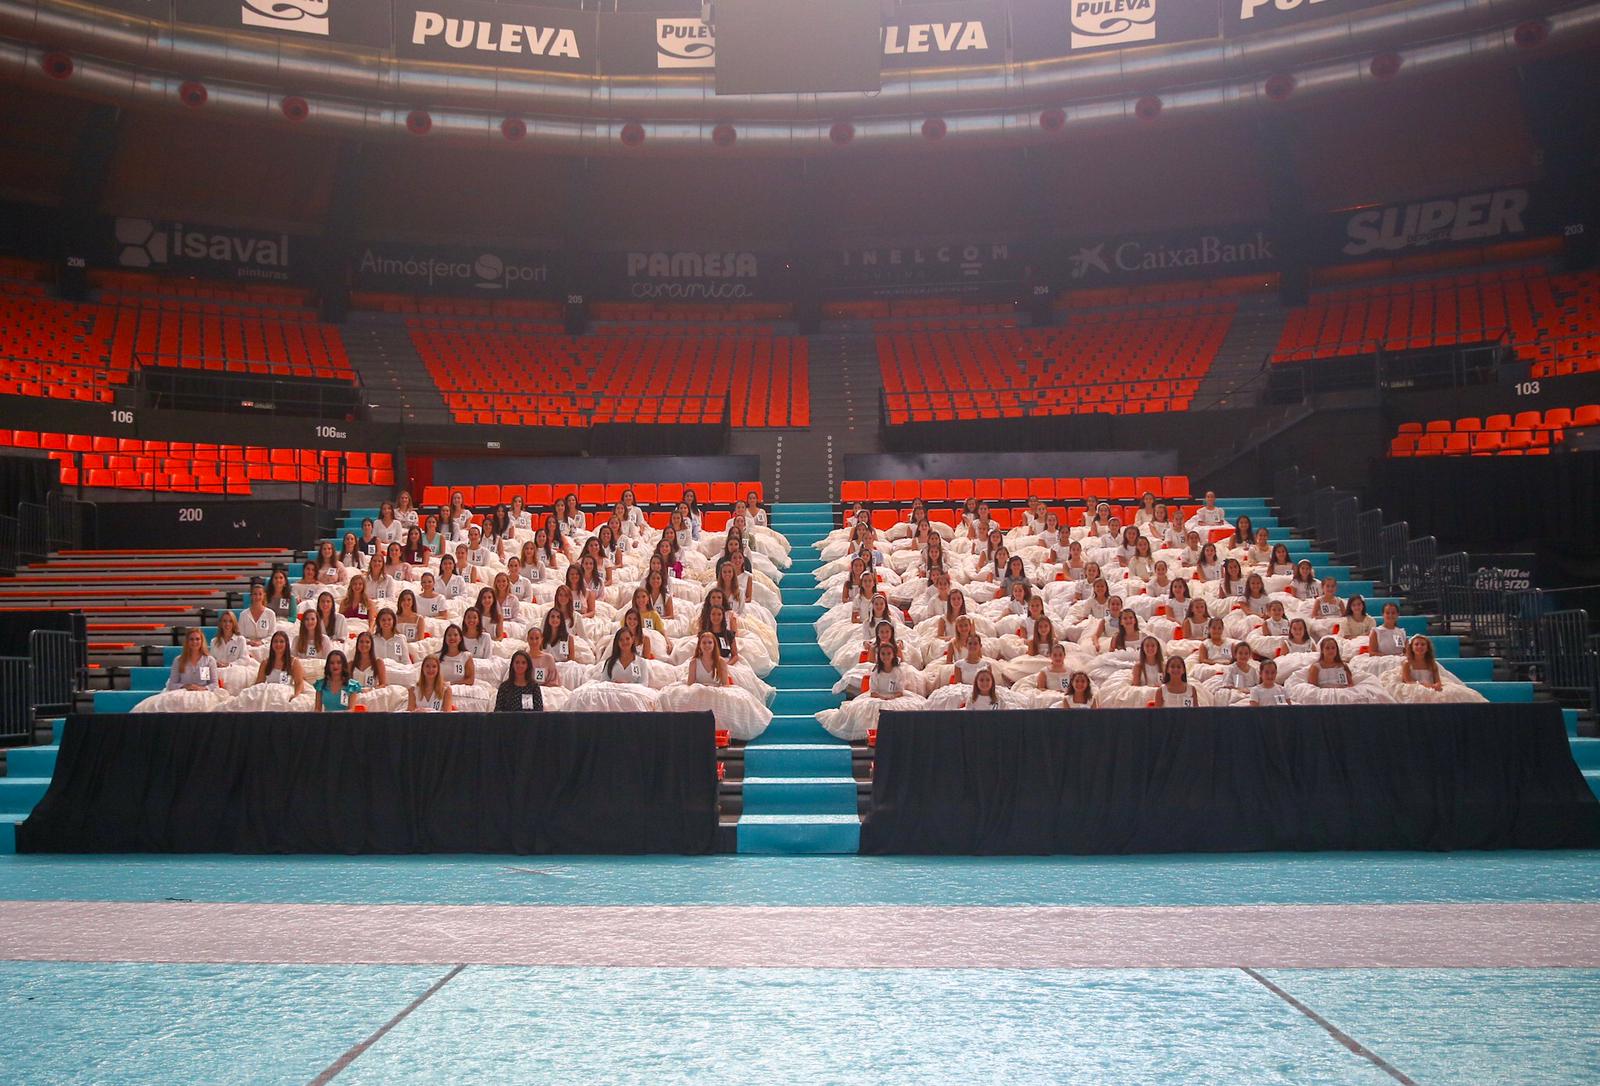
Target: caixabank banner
x=483 y=271
x=1177 y=254
x=496 y=35
x=207 y=252
x=346 y=22
x=1403 y=229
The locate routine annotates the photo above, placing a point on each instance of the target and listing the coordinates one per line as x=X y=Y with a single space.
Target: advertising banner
x=945 y=35
x=637 y=44
x=496 y=35
x=1253 y=16
x=687 y=276
x=347 y=22
x=969 y=267
x=206 y=251
x=1178 y=254
x=1477 y=218
x=1504 y=572
x=1075 y=26
x=470 y=271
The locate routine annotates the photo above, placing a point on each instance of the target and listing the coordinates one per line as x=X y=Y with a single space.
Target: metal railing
x=33 y=533
x=16 y=709
x=58 y=667
x=174 y=380
x=9 y=538
x=64 y=520
x=1369 y=526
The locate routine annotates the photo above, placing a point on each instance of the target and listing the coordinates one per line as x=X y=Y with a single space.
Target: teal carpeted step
x=797 y=633
x=1412 y=625
x=802 y=653
x=831 y=759
x=8 y=832
x=119 y=701
x=780 y=508
x=799 y=596
x=21 y=794
x=796 y=795
x=1364 y=589
x=799 y=835
x=1586 y=752
x=1477 y=669
x=803 y=676
x=792 y=728
x=797 y=612
x=148 y=678
x=1570 y=718
x=31 y=761
x=805 y=702
x=56 y=724
x=1592 y=778
x=1505 y=693
x=1445 y=645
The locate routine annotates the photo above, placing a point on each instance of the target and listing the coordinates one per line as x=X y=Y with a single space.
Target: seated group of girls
x=1157 y=612
x=506 y=611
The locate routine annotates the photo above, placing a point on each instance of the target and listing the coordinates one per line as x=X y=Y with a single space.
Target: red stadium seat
x=853 y=490
x=935 y=490
x=1175 y=486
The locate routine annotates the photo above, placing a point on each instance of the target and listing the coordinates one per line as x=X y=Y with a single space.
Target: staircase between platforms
x=396 y=380
x=800 y=794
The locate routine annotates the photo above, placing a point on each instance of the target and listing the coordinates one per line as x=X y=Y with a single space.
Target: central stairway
x=799 y=790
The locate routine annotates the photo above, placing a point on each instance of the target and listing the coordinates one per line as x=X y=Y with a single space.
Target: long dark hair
x=616 y=652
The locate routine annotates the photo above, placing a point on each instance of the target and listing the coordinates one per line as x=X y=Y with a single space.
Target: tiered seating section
x=1550 y=320
x=1119 y=361
x=502 y=308
x=84 y=350
x=657 y=499
x=195 y=467
x=516 y=375
x=1528 y=433
x=889 y=497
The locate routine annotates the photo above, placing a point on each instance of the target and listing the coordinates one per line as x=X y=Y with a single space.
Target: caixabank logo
x=1097 y=23
x=298 y=16
x=685 y=43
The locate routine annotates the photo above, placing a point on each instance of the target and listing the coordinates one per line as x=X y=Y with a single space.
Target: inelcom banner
x=1475 y=218
x=345 y=22
x=462 y=271
x=1179 y=254
x=210 y=252
x=970 y=268
x=496 y=35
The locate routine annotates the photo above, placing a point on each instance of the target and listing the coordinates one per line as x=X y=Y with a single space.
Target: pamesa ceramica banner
x=207 y=252
x=478 y=272
x=688 y=275
x=1229 y=250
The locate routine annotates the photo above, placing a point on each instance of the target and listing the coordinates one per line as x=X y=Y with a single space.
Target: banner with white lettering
x=1388 y=230
x=1253 y=16
x=639 y=44
x=973 y=268
x=150 y=9
x=1181 y=254
x=1504 y=572
x=208 y=252
x=679 y=275
x=468 y=271
x=1075 y=26
x=347 y=22
x=945 y=35
x=496 y=35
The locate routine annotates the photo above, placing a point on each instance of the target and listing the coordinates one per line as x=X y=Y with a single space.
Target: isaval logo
x=299 y=16
x=685 y=43
x=140 y=244
x=1112 y=22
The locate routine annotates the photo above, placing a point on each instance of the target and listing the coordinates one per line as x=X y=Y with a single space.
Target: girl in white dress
x=390 y=644
x=280 y=684
x=1177 y=692
x=890 y=687
x=1080 y=693
x=1233 y=684
x=379 y=693
x=195 y=683
x=707 y=687
x=257 y=621
x=1330 y=681
x=431 y=694
x=232 y=654
x=460 y=671
x=1388 y=639
x=985 y=695
x=1420 y=679
x=620 y=683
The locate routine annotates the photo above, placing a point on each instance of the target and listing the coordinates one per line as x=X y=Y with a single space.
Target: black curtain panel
x=381 y=783
x=1428 y=777
x=25 y=479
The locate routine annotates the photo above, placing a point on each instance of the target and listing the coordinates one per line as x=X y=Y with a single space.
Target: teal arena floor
x=1468 y=968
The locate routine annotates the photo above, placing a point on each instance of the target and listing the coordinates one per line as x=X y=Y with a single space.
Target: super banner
x=1039 y=31
x=347 y=22
x=496 y=35
x=1477 y=218
x=477 y=272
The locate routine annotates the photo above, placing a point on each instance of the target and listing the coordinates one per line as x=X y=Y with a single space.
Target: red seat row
x=1113 y=488
x=1528 y=433
x=590 y=495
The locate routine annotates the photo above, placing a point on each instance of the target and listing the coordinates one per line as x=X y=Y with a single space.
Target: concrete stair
x=800 y=797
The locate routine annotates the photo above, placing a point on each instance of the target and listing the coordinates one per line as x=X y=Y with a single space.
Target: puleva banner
x=1253 y=16
x=479 y=272
x=346 y=22
x=1226 y=250
x=206 y=251
x=1476 y=218
x=945 y=35
x=1074 y=26
x=496 y=35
